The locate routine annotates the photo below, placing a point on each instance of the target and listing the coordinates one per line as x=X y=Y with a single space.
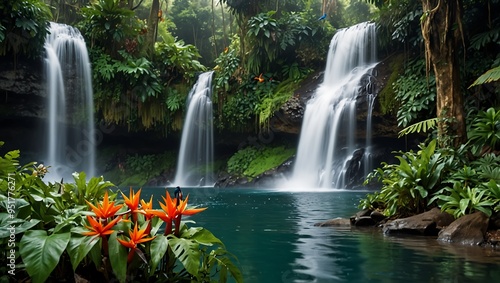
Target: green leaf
x=95 y=254
x=205 y=237
x=79 y=247
x=225 y=264
x=491 y=75
x=6 y=221
x=41 y=253
x=158 y=249
x=187 y=251
x=117 y=257
x=464 y=204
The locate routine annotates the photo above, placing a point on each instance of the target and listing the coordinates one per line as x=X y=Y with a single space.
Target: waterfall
x=196 y=154
x=328 y=141
x=70 y=133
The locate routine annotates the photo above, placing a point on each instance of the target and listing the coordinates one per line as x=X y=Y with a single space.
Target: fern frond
x=423 y=126
x=488 y=77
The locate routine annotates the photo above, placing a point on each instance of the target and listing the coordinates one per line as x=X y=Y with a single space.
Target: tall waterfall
x=196 y=155
x=70 y=111
x=328 y=142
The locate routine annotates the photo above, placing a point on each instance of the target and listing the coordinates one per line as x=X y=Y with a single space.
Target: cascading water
x=327 y=145
x=70 y=104
x=196 y=153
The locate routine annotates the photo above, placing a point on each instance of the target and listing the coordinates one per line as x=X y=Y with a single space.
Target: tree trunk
x=441 y=30
x=152 y=28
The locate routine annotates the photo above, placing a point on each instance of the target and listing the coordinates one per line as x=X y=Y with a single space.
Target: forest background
x=146 y=56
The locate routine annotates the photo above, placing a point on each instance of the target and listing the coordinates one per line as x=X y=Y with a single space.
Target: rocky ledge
x=476 y=229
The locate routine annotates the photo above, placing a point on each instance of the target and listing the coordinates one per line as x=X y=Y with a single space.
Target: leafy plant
x=462 y=199
x=269 y=105
x=294 y=72
x=240 y=161
x=251 y=161
x=262 y=32
x=268 y=158
x=141 y=75
x=227 y=65
x=106 y=23
x=414 y=93
x=423 y=126
x=24 y=25
x=484 y=133
x=408 y=186
x=81 y=191
x=119 y=240
x=177 y=61
x=146 y=252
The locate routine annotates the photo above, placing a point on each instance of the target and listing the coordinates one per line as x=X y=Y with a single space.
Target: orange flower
x=169 y=209
x=106 y=209
x=181 y=209
x=259 y=78
x=133 y=200
x=136 y=237
x=97 y=228
x=173 y=209
x=146 y=208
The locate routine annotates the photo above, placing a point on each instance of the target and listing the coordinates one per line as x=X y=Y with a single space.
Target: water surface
x=272 y=234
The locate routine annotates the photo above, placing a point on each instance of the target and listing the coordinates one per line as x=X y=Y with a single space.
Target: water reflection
x=272 y=234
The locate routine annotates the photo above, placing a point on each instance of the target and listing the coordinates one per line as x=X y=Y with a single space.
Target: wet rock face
x=467 y=230
x=289 y=118
x=353 y=169
x=23 y=91
x=428 y=223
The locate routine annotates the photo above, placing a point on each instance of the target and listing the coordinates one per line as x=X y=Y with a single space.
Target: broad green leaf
x=187 y=251
x=225 y=264
x=205 y=237
x=41 y=253
x=158 y=248
x=95 y=254
x=20 y=225
x=79 y=247
x=118 y=257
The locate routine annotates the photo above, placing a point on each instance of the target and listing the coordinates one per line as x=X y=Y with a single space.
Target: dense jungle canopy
x=146 y=54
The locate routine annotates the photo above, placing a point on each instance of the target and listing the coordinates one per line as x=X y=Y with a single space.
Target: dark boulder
x=468 y=230
x=428 y=223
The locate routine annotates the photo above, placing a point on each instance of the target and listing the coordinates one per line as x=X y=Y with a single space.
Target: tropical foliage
x=459 y=181
x=23 y=27
x=83 y=228
x=252 y=161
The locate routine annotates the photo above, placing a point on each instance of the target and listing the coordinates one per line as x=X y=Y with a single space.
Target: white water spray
x=328 y=135
x=71 y=133
x=196 y=155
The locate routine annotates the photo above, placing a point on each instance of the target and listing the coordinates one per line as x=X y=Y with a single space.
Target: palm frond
x=491 y=75
x=423 y=126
